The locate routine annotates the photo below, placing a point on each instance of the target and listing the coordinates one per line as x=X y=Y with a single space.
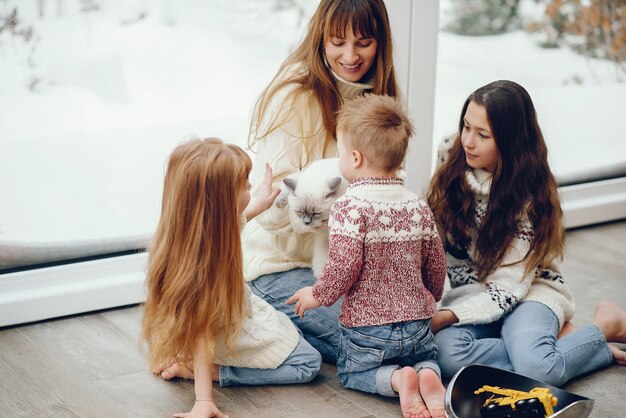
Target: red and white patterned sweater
x=385 y=255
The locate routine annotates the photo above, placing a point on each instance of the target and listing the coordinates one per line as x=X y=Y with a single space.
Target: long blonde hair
x=368 y=18
x=195 y=287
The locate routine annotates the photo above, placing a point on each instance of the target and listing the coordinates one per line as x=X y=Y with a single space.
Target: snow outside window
x=96 y=94
x=580 y=100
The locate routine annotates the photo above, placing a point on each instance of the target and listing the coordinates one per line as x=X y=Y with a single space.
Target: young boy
x=386 y=257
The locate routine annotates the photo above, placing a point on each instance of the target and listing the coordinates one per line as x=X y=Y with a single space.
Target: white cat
x=310 y=194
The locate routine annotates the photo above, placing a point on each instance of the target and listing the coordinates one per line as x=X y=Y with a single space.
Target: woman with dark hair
x=495 y=201
x=347 y=51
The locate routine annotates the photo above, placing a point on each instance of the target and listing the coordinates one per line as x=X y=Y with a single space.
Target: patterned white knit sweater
x=481 y=302
x=384 y=254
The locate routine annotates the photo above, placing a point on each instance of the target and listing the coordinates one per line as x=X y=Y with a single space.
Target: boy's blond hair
x=378 y=127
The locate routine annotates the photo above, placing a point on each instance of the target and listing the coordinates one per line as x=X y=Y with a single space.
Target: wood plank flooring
x=91 y=365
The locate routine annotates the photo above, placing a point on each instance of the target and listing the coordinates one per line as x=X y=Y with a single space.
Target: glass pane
x=94 y=96
x=580 y=97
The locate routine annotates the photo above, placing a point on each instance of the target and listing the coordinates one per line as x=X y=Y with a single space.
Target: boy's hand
x=304 y=300
x=265 y=195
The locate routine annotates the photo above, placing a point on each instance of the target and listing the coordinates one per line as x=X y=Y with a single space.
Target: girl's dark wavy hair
x=522 y=183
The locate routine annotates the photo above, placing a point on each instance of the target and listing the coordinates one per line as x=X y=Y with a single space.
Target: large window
x=571 y=57
x=95 y=94
x=580 y=98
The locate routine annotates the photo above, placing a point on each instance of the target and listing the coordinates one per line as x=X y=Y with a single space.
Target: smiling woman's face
x=351 y=57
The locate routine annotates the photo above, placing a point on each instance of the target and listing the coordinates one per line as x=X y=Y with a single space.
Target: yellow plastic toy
x=538 y=402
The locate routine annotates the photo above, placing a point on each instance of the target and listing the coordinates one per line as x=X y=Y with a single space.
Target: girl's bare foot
x=176 y=370
x=433 y=392
x=162 y=366
x=406 y=383
x=612 y=322
x=619 y=356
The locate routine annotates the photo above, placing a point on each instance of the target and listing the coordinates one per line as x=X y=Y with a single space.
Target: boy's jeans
x=368 y=356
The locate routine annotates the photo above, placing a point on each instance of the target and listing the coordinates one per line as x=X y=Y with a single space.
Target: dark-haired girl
x=495 y=201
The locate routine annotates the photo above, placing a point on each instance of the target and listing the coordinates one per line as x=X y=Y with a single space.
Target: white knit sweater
x=485 y=301
x=269 y=243
x=267 y=336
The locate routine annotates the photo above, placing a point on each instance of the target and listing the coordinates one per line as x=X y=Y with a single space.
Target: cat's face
x=308 y=212
x=309 y=207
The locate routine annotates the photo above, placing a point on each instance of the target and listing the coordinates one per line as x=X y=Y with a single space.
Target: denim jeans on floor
x=524 y=342
x=319 y=326
x=369 y=355
x=302 y=365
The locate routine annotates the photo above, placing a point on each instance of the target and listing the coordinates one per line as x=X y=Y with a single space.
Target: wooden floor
x=91 y=366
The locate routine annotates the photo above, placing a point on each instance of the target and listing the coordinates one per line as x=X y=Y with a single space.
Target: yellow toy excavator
x=538 y=402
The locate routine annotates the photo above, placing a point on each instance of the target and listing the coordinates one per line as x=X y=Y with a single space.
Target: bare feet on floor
x=406 y=383
x=162 y=366
x=432 y=392
x=175 y=370
x=619 y=356
x=612 y=322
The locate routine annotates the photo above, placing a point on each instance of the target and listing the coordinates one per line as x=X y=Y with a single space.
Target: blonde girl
x=496 y=203
x=347 y=51
x=199 y=313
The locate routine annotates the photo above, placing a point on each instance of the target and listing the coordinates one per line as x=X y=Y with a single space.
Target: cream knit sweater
x=269 y=243
x=267 y=336
x=485 y=301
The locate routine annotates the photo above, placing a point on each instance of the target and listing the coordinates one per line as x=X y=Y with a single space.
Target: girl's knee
x=449 y=365
x=311 y=365
x=550 y=371
x=451 y=353
x=453 y=342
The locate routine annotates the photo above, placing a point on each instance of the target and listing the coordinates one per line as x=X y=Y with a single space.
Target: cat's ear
x=333 y=185
x=291 y=184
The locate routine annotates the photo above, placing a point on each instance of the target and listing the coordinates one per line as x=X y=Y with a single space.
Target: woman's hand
x=304 y=300
x=202 y=409
x=265 y=195
x=442 y=319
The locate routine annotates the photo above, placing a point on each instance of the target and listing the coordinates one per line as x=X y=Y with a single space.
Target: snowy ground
x=116 y=93
x=581 y=122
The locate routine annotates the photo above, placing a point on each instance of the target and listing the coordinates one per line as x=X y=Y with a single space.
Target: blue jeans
x=320 y=326
x=369 y=355
x=302 y=365
x=524 y=342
